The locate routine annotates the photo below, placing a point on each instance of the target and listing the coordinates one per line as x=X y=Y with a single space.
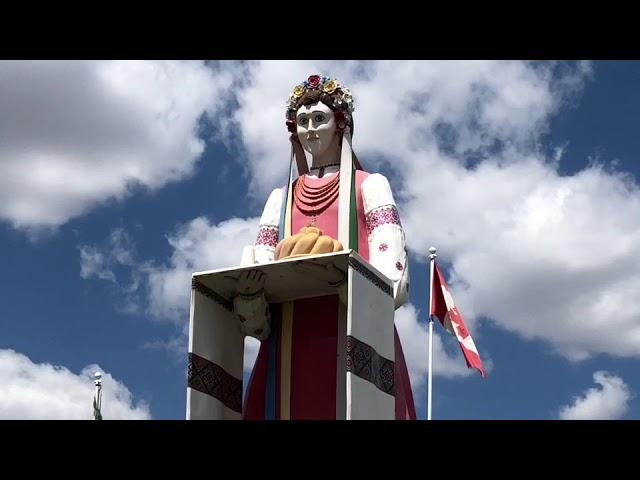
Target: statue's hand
x=251 y=282
x=250 y=305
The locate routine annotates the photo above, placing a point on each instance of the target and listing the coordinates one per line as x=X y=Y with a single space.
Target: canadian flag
x=442 y=306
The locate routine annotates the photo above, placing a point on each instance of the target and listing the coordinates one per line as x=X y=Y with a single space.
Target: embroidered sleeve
x=267 y=235
x=267 y=238
x=387 y=214
x=387 y=246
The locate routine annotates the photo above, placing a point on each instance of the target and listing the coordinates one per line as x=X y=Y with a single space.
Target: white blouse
x=387 y=245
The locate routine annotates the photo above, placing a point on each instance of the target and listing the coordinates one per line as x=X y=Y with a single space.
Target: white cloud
x=177 y=345
x=610 y=402
x=41 y=391
x=74 y=134
x=197 y=246
x=547 y=256
x=94 y=264
x=115 y=260
x=100 y=262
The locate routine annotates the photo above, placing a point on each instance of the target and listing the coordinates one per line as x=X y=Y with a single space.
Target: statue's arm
x=265 y=246
x=250 y=305
x=387 y=243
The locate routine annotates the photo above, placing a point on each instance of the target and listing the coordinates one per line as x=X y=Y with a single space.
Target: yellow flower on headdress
x=298 y=91
x=330 y=86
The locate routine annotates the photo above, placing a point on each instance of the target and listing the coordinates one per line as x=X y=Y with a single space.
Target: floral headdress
x=339 y=98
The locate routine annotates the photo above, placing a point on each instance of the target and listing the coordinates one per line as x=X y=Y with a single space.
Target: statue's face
x=316 y=128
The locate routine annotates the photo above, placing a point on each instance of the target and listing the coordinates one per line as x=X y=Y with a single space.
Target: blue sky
x=121 y=178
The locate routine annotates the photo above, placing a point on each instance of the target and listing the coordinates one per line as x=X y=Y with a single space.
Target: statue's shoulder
x=271 y=212
x=376 y=181
x=371 y=178
x=376 y=192
x=276 y=195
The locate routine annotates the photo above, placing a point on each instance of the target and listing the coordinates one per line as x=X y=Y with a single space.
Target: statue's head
x=318 y=112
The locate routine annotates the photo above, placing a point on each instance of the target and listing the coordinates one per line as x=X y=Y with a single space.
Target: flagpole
x=97 y=399
x=432 y=259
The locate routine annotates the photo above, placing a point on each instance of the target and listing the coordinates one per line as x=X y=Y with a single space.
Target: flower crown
x=340 y=96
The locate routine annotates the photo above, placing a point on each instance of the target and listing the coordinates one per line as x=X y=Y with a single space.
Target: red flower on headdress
x=313 y=81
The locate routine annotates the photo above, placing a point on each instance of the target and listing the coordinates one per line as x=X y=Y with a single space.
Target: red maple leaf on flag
x=463 y=332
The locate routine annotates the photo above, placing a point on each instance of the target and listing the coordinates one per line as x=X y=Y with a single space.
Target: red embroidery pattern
x=383 y=247
x=399 y=266
x=382 y=216
x=267 y=235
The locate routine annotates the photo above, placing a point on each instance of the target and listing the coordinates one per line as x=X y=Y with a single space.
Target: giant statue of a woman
x=307 y=214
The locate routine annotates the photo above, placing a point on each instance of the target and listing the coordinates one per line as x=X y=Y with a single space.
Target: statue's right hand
x=250 y=305
x=251 y=282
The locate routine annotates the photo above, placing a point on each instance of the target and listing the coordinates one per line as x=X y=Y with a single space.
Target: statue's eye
x=303 y=121
x=319 y=118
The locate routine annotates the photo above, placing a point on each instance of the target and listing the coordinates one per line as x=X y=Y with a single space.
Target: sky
x=118 y=179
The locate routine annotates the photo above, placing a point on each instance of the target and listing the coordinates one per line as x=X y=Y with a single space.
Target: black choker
x=325 y=166
x=322 y=167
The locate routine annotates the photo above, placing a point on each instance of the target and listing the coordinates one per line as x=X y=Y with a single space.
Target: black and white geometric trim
x=207 y=292
x=369 y=275
x=211 y=379
x=366 y=363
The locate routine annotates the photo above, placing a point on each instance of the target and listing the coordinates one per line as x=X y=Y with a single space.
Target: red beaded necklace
x=312 y=201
